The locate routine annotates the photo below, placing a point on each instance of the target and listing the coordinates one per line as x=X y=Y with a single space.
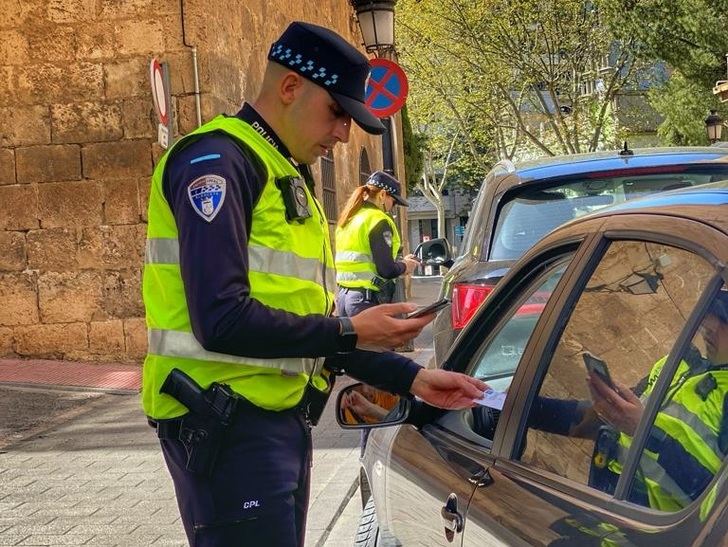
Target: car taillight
x=466 y=299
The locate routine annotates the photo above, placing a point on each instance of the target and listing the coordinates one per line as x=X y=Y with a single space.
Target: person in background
x=367 y=245
x=238 y=291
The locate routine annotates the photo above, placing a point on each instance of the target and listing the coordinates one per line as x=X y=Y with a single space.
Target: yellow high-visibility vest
x=290 y=268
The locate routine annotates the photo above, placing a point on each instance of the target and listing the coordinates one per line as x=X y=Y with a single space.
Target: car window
x=497 y=361
x=527 y=214
x=688 y=438
x=626 y=319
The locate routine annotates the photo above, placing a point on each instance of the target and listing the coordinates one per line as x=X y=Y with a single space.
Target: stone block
x=53 y=43
x=52 y=250
x=117 y=160
x=7 y=166
x=118 y=9
x=49 y=163
x=7 y=342
x=121 y=201
x=18 y=207
x=138 y=36
x=58 y=83
x=13 y=47
x=74 y=203
x=86 y=122
x=66 y=297
x=128 y=78
x=13 y=255
x=135 y=333
x=139 y=119
x=96 y=41
x=18 y=14
x=112 y=247
x=19 y=298
x=181 y=72
x=50 y=341
x=107 y=338
x=25 y=125
x=71 y=11
x=122 y=294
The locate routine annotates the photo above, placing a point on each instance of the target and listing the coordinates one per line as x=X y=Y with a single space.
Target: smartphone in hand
x=598 y=367
x=430 y=308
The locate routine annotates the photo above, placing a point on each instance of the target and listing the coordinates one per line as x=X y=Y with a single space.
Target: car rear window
x=527 y=214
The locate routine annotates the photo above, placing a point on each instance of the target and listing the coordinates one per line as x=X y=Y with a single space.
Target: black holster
x=201 y=431
x=314 y=400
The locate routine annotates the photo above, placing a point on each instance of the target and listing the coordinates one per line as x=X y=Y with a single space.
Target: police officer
x=689 y=438
x=238 y=289
x=367 y=245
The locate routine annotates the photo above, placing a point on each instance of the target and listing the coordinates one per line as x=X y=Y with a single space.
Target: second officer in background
x=367 y=246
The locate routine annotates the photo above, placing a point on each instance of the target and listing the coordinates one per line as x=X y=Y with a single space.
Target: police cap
x=325 y=58
x=719 y=306
x=387 y=182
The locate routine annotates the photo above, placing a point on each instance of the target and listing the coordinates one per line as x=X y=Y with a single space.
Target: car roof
x=574 y=164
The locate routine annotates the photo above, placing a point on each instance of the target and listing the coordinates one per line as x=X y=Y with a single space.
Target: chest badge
x=207 y=194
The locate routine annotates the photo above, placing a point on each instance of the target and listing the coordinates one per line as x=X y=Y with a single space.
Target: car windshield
x=527 y=214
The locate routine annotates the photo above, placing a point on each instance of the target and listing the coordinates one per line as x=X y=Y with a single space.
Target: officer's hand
x=378 y=327
x=621 y=409
x=445 y=389
x=410 y=264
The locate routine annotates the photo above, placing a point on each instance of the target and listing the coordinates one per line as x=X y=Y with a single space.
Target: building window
x=364 y=169
x=328 y=183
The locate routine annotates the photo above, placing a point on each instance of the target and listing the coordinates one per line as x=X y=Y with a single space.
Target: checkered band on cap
x=297 y=61
x=383 y=186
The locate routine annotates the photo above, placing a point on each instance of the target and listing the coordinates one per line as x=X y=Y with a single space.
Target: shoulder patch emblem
x=387 y=237
x=207 y=194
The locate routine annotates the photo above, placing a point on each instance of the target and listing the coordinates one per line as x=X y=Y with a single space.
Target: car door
x=638 y=300
x=431 y=473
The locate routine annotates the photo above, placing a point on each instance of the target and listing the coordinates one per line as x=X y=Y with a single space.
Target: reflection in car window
x=688 y=439
x=527 y=214
x=626 y=319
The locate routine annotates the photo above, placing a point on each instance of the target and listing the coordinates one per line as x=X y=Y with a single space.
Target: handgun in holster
x=202 y=429
x=314 y=400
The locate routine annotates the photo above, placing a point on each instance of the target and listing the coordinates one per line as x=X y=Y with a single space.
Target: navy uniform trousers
x=350 y=302
x=258 y=492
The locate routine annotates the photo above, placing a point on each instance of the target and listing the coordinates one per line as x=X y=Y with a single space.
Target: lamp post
x=714 y=126
x=376 y=21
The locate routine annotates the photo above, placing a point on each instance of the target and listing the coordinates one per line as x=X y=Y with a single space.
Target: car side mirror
x=436 y=252
x=361 y=406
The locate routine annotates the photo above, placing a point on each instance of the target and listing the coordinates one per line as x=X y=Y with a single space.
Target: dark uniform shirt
x=214 y=267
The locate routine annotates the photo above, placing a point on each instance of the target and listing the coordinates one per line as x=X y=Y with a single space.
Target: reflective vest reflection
x=689 y=420
x=290 y=268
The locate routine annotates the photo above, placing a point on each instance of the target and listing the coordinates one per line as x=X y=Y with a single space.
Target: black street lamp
x=714 y=126
x=376 y=21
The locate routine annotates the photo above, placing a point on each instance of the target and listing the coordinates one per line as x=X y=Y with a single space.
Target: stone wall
x=77 y=148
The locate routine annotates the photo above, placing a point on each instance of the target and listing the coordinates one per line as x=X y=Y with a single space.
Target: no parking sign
x=159 y=78
x=387 y=88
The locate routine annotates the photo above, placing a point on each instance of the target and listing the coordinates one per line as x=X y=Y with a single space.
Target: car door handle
x=451 y=517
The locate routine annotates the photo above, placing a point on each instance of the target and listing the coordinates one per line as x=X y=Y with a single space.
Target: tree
x=689 y=35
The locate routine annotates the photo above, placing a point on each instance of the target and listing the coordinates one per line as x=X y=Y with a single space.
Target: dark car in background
x=520 y=203
x=634 y=286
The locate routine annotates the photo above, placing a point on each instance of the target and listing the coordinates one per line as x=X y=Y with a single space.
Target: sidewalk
x=97 y=477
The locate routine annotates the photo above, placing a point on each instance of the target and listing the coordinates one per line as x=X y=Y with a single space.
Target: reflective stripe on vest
x=173 y=343
x=262 y=259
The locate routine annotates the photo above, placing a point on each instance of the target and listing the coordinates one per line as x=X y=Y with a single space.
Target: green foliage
x=691 y=36
x=413 y=144
x=684 y=104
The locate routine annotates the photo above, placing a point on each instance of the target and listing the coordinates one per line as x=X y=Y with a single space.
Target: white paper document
x=492 y=399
